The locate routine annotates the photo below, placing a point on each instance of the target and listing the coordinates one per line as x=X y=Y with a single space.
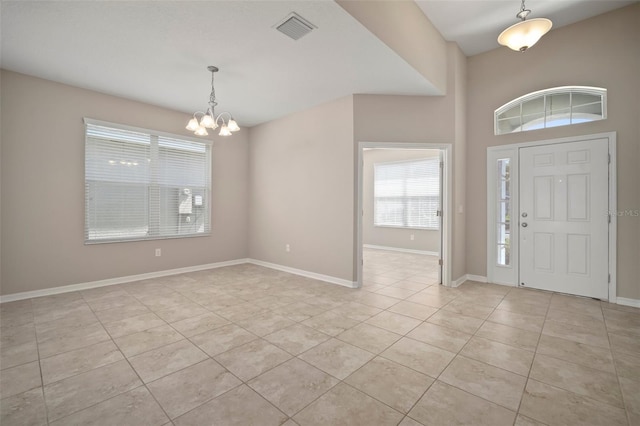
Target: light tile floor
x=246 y=345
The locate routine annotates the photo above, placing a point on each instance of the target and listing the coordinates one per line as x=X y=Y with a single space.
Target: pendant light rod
x=524 y=12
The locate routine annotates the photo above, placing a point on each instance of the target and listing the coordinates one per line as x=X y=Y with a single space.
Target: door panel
x=543 y=244
x=543 y=197
x=578 y=189
x=563 y=218
x=578 y=254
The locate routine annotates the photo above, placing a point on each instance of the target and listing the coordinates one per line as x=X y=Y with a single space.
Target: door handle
x=524 y=224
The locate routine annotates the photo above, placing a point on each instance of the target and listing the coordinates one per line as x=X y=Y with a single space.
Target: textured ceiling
x=157 y=51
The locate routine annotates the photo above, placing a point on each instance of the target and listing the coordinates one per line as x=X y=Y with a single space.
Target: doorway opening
x=403 y=215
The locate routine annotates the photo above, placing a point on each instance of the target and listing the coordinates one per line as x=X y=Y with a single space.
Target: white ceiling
x=157 y=51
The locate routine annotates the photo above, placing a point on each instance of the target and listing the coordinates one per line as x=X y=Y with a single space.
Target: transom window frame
x=202 y=200
x=545 y=94
x=438 y=165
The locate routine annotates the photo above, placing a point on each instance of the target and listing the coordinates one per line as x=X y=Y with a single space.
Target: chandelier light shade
x=209 y=120
x=526 y=33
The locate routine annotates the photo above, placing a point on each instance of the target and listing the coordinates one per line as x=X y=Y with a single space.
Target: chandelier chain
x=212 y=96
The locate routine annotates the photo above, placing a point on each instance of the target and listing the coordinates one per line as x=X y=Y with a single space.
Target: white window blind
x=407 y=194
x=141 y=184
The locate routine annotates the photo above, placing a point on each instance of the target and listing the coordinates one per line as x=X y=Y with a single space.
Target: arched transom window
x=558 y=106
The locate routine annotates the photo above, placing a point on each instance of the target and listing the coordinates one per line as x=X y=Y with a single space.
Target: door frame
x=510 y=275
x=447 y=202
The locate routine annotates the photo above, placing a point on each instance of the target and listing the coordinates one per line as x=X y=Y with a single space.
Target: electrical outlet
x=158 y=252
x=287 y=248
x=412 y=237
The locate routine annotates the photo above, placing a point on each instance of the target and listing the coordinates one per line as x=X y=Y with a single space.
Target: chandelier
x=209 y=120
x=524 y=34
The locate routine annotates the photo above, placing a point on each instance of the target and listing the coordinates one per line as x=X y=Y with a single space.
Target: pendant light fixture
x=526 y=33
x=208 y=120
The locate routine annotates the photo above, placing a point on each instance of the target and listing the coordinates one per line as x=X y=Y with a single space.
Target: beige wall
x=302 y=192
x=424 y=119
x=43 y=190
x=295 y=182
x=1 y=95
x=424 y=240
x=303 y=172
x=403 y=27
x=458 y=62
x=300 y=175
x=603 y=52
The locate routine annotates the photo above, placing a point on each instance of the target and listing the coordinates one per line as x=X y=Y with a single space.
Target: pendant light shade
x=224 y=131
x=193 y=124
x=523 y=35
x=232 y=125
x=208 y=121
x=526 y=33
x=201 y=131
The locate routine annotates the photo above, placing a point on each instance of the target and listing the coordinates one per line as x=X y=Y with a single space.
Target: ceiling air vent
x=295 y=26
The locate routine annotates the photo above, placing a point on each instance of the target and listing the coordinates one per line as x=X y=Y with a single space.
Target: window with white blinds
x=141 y=184
x=407 y=194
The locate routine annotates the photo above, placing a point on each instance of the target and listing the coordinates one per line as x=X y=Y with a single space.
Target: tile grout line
x=615 y=369
x=142 y=382
x=299 y=322
x=35 y=331
x=526 y=383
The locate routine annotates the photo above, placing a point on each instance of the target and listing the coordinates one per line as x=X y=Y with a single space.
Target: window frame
x=435 y=159
x=544 y=94
x=154 y=134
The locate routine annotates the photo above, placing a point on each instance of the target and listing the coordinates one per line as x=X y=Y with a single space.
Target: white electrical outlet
x=158 y=252
x=412 y=237
x=287 y=248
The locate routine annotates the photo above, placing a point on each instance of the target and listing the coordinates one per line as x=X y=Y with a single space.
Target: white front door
x=563 y=218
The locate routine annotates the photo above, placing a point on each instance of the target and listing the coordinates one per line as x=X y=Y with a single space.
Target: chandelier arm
x=220 y=116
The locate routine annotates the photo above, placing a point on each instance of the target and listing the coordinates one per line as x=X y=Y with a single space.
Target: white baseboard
x=403 y=250
x=316 y=276
x=458 y=282
x=628 y=302
x=114 y=281
x=468 y=277
x=158 y=274
x=478 y=278
x=168 y=272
